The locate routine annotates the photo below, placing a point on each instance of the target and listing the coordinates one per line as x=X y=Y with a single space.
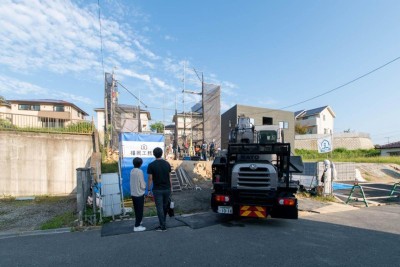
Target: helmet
x=327 y=162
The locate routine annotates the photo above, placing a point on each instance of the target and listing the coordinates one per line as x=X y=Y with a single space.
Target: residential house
x=318 y=120
x=41 y=113
x=261 y=116
x=392 y=149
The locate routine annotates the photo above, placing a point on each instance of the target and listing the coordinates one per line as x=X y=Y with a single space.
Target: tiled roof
x=391 y=145
x=49 y=101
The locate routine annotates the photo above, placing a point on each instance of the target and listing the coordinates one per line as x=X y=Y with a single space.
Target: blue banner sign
x=134 y=145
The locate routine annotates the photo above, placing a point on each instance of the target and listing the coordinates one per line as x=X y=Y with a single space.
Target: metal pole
x=139 y=120
x=184 y=88
x=202 y=104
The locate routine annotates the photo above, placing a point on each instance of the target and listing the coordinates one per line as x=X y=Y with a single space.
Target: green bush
x=6 y=124
x=80 y=127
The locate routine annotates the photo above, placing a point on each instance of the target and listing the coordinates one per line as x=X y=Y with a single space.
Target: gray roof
x=310 y=112
x=391 y=145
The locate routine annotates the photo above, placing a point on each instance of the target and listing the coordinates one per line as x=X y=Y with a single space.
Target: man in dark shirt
x=159 y=174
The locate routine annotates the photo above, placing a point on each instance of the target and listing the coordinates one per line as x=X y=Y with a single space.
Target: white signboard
x=132 y=149
x=325 y=144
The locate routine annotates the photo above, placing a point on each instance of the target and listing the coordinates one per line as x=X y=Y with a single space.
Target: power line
x=345 y=84
x=101 y=38
x=131 y=93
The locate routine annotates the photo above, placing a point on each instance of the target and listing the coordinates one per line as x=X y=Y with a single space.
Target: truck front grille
x=262 y=177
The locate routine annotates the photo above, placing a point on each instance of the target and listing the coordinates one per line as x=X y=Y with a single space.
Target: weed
x=64 y=220
x=109 y=167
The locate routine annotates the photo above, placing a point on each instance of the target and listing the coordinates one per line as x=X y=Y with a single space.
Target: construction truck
x=253 y=177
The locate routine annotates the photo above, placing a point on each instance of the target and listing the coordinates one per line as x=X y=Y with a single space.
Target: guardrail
x=32 y=123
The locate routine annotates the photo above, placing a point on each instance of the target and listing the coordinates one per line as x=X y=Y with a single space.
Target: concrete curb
x=4 y=235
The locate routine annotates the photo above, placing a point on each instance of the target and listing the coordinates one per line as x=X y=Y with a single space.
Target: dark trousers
x=138 y=204
x=161 y=199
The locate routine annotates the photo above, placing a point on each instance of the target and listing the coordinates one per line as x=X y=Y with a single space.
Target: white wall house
x=392 y=149
x=318 y=120
x=41 y=113
x=125 y=118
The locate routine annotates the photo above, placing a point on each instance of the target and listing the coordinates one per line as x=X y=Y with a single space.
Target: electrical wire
x=131 y=93
x=343 y=85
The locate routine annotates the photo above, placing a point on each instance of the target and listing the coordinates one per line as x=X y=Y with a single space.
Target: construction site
x=201 y=124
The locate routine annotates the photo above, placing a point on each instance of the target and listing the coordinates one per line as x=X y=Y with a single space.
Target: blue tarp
x=339 y=186
x=137 y=145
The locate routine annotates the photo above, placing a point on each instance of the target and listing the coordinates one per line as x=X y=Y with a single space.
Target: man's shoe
x=139 y=229
x=161 y=229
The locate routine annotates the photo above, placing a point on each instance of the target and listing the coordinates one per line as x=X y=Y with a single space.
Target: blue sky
x=271 y=54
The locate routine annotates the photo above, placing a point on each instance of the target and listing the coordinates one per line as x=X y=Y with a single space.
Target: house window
x=29 y=107
x=323 y=117
x=58 y=108
x=267 y=121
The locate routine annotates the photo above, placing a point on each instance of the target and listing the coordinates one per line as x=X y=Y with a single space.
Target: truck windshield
x=267 y=137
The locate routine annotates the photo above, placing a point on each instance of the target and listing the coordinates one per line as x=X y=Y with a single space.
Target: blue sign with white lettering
x=137 y=145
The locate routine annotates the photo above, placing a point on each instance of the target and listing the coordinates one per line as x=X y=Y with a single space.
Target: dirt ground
x=28 y=215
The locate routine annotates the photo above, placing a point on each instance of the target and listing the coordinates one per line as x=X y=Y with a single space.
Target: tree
x=300 y=129
x=157 y=127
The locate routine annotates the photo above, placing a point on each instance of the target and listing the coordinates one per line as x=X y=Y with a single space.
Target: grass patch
x=344 y=155
x=60 y=221
x=305 y=194
x=109 y=167
x=325 y=199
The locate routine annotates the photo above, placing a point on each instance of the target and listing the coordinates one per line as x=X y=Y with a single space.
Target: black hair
x=137 y=162
x=157 y=152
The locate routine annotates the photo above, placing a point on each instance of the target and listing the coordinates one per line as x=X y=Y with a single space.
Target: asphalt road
x=363 y=237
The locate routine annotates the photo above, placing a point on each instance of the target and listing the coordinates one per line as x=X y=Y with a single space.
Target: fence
x=32 y=123
x=346 y=171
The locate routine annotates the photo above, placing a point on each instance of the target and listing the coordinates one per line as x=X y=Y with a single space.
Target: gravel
x=29 y=215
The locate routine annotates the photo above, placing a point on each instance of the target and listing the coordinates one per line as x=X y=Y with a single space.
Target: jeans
x=138 y=203
x=161 y=199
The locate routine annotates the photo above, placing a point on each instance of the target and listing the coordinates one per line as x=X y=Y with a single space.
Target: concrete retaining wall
x=41 y=164
x=350 y=141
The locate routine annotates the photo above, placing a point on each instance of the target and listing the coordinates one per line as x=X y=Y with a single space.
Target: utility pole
x=176 y=130
x=202 y=105
x=139 y=119
x=183 y=91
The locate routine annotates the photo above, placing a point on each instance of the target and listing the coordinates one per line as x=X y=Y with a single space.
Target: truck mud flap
x=285 y=212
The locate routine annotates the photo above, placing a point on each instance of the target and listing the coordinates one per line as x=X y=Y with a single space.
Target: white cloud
x=225 y=106
x=13 y=87
x=130 y=73
x=61 y=37
x=73 y=98
x=169 y=38
x=161 y=84
x=145 y=51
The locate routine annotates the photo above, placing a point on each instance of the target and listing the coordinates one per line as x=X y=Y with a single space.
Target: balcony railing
x=30 y=123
